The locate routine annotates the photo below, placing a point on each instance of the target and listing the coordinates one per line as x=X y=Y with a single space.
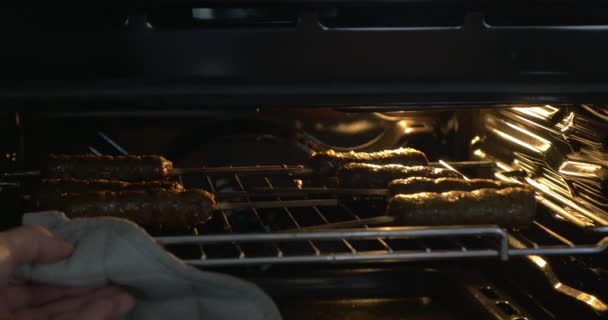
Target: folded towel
x=112 y=251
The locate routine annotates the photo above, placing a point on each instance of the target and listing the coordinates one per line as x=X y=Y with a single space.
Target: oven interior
x=344 y=267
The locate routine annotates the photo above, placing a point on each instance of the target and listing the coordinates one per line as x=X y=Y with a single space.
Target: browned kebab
x=365 y=175
x=126 y=168
x=167 y=208
x=451 y=200
x=510 y=207
x=423 y=184
x=48 y=192
x=57 y=185
x=329 y=162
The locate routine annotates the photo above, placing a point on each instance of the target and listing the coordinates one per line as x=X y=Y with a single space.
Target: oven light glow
x=543 y=144
x=503 y=166
x=445 y=164
x=475 y=140
x=406 y=128
x=592 y=301
x=568 y=122
x=565 y=201
x=586 y=298
x=352 y=128
x=540 y=262
x=538 y=112
x=526 y=145
x=479 y=153
x=580 y=169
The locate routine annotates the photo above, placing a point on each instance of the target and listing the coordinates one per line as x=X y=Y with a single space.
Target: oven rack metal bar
x=500 y=250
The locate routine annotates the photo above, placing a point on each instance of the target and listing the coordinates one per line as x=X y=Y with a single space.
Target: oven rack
x=289 y=235
x=456 y=235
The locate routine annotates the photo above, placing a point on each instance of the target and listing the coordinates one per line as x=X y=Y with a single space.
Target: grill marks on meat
x=423 y=184
x=147 y=208
x=364 y=175
x=510 y=207
x=329 y=161
x=127 y=168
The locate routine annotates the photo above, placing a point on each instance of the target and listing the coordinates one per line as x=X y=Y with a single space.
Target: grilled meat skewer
x=510 y=207
x=329 y=161
x=49 y=191
x=364 y=175
x=144 y=207
x=127 y=168
x=424 y=184
x=78 y=185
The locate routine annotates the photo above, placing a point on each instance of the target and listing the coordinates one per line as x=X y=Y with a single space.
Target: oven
x=242 y=93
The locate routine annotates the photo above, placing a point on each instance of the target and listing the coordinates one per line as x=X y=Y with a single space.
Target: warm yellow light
x=540 y=262
x=538 y=149
x=569 y=121
x=503 y=166
x=475 y=140
x=538 y=112
x=479 y=153
x=579 y=169
x=543 y=144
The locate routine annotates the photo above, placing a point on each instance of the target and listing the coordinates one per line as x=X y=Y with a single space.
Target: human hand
x=35 y=244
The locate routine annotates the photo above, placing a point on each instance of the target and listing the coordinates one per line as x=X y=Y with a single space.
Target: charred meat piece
x=364 y=175
x=147 y=208
x=423 y=184
x=127 y=168
x=329 y=161
x=49 y=191
x=510 y=207
x=78 y=185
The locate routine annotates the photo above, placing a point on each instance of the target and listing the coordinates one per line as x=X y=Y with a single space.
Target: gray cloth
x=118 y=252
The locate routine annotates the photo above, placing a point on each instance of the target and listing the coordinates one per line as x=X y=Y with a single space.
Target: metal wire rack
x=286 y=235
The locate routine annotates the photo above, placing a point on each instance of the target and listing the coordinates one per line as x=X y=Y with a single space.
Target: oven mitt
x=112 y=251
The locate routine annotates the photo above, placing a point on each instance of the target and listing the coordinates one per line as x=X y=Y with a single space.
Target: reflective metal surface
x=562 y=150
